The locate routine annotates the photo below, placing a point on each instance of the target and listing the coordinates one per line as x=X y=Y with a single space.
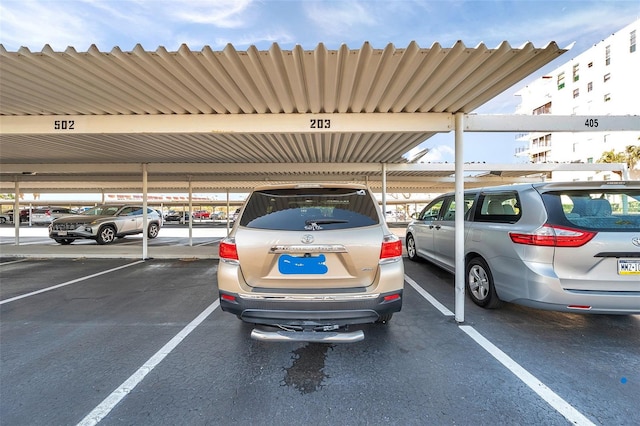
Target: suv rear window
x=614 y=210
x=299 y=209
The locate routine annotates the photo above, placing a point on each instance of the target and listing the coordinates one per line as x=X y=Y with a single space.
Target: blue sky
x=154 y=23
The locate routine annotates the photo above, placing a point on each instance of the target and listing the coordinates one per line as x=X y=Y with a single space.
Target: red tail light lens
x=391 y=297
x=553 y=236
x=391 y=247
x=228 y=249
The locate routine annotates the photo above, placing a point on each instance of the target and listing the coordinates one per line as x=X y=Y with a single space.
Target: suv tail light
x=391 y=247
x=228 y=249
x=553 y=236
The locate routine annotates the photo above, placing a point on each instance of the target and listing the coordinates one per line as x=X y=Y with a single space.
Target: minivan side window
x=499 y=207
x=450 y=211
x=432 y=211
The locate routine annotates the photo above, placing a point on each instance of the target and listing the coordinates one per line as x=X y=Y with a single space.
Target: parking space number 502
x=64 y=125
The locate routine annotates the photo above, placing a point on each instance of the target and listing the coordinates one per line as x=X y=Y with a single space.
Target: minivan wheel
x=153 y=230
x=480 y=284
x=411 y=248
x=106 y=235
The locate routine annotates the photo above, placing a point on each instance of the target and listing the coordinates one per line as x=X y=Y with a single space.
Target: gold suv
x=310 y=259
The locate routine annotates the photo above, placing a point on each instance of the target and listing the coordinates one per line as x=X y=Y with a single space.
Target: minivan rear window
x=613 y=210
x=315 y=209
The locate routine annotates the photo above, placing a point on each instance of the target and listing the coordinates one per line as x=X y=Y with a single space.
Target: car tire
x=383 y=319
x=153 y=230
x=479 y=283
x=412 y=252
x=64 y=241
x=106 y=235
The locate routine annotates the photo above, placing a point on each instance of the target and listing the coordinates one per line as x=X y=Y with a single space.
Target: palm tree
x=613 y=157
x=633 y=155
x=630 y=156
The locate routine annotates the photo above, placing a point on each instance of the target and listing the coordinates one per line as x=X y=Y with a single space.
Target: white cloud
x=437 y=154
x=340 y=17
x=28 y=23
x=220 y=13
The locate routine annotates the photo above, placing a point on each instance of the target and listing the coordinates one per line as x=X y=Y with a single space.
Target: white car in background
x=105 y=223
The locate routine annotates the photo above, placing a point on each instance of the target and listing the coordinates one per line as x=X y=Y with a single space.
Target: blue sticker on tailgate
x=310 y=265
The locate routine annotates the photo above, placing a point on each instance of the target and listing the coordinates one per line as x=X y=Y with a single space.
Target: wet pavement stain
x=306 y=374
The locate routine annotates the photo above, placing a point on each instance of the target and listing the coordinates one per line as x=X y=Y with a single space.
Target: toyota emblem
x=308 y=239
x=635 y=241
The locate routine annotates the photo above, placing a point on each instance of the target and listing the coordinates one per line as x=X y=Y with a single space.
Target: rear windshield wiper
x=324 y=221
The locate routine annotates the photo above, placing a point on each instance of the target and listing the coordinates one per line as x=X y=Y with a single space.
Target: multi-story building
x=604 y=80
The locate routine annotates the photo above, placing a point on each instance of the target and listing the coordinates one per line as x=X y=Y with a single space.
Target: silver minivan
x=561 y=246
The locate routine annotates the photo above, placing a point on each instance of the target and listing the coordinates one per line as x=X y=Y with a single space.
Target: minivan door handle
x=434 y=226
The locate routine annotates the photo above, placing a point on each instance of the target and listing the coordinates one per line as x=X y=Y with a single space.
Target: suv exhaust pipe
x=307 y=336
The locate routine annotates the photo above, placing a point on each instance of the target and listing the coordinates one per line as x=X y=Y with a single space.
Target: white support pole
x=384 y=191
x=459 y=219
x=16 y=213
x=190 y=213
x=145 y=216
x=228 y=207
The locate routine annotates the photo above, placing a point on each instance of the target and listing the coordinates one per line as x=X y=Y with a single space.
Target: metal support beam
x=384 y=191
x=16 y=213
x=228 y=123
x=145 y=216
x=551 y=123
x=190 y=213
x=459 y=220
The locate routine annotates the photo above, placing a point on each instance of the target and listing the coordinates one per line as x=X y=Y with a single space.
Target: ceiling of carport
x=275 y=82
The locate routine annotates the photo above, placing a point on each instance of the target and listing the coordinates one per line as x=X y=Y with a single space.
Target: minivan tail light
x=228 y=250
x=553 y=236
x=391 y=247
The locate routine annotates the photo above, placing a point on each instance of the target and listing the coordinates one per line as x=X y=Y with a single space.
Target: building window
x=541 y=142
x=607 y=55
x=576 y=93
x=560 y=80
x=607 y=97
x=576 y=72
x=544 y=109
x=590 y=64
x=590 y=86
x=607 y=77
x=590 y=160
x=632 y=41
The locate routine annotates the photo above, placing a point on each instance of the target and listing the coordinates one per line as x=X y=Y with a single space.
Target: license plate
x=307 y=265
x=62 y=233
x=628 y=267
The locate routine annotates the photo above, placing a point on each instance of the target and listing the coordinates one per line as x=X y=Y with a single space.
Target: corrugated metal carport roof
x=158 y=84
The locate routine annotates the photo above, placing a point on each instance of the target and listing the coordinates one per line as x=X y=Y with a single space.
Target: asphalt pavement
x=143 y=342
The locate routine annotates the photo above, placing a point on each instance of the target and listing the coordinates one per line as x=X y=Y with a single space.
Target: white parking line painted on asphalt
x=559 y=404
x=13 y=261
x=555 y=401
x=208 y=243
x=33 y=293
x=105 y=407
x=439 y=306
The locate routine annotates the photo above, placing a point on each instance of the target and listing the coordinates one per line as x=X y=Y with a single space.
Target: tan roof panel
x=253 y=82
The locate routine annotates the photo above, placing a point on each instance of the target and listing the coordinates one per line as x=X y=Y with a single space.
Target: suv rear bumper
x=311 y=313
